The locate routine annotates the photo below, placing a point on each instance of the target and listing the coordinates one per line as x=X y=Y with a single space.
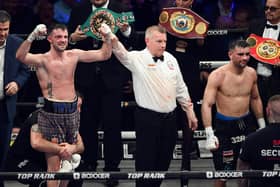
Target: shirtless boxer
x=233 y=89
x=59 y=118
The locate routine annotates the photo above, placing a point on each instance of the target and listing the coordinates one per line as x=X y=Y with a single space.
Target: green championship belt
x=104 y=15
x=183 y=23
x=265 y=50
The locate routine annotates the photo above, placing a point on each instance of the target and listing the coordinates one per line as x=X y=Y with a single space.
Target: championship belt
x=265 y=50
x=104 y=15
x=183 y=23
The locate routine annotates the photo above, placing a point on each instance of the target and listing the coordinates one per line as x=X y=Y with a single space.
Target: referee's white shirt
x=156 y=85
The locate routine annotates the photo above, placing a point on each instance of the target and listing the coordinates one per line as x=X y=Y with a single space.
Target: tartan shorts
x=63 y=127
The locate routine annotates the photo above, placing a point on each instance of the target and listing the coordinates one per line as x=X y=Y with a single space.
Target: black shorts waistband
x=160 y=114
x=264 y=78
x=60 y=107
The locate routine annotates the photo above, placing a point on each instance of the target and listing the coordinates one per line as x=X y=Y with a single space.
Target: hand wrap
x=212 y=141
x=261 y=123
x=107 y=32
x=39 y=33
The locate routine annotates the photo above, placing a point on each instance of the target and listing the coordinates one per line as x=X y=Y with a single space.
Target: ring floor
x=128 y=165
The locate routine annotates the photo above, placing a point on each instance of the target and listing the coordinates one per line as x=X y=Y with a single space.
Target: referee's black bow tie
x=275 y=27
x=158 y=58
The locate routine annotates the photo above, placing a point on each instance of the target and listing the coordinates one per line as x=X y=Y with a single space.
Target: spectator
x=13 y=76
x=257 y=148
x=101 y=85
x=268 y=75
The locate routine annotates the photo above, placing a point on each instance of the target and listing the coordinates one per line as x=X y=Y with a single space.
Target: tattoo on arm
x=49 y=86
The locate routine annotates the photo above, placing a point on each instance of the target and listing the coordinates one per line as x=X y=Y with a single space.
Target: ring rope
x=131 y=135
x=146 y=175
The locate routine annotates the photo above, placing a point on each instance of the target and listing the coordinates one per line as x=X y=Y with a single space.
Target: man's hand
x=106 y=32
x=212 y=142
x=78 y=35
x=11 y=88
x=123 y=26
x=39 y=33
x=192 y=120
x=67 y=150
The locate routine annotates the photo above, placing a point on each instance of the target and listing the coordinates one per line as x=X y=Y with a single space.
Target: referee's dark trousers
x=156 y=135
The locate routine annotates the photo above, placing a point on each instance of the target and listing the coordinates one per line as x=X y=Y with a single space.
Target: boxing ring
x=147 y=175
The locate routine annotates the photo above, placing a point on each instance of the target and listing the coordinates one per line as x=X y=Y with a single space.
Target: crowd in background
x=221 y=14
